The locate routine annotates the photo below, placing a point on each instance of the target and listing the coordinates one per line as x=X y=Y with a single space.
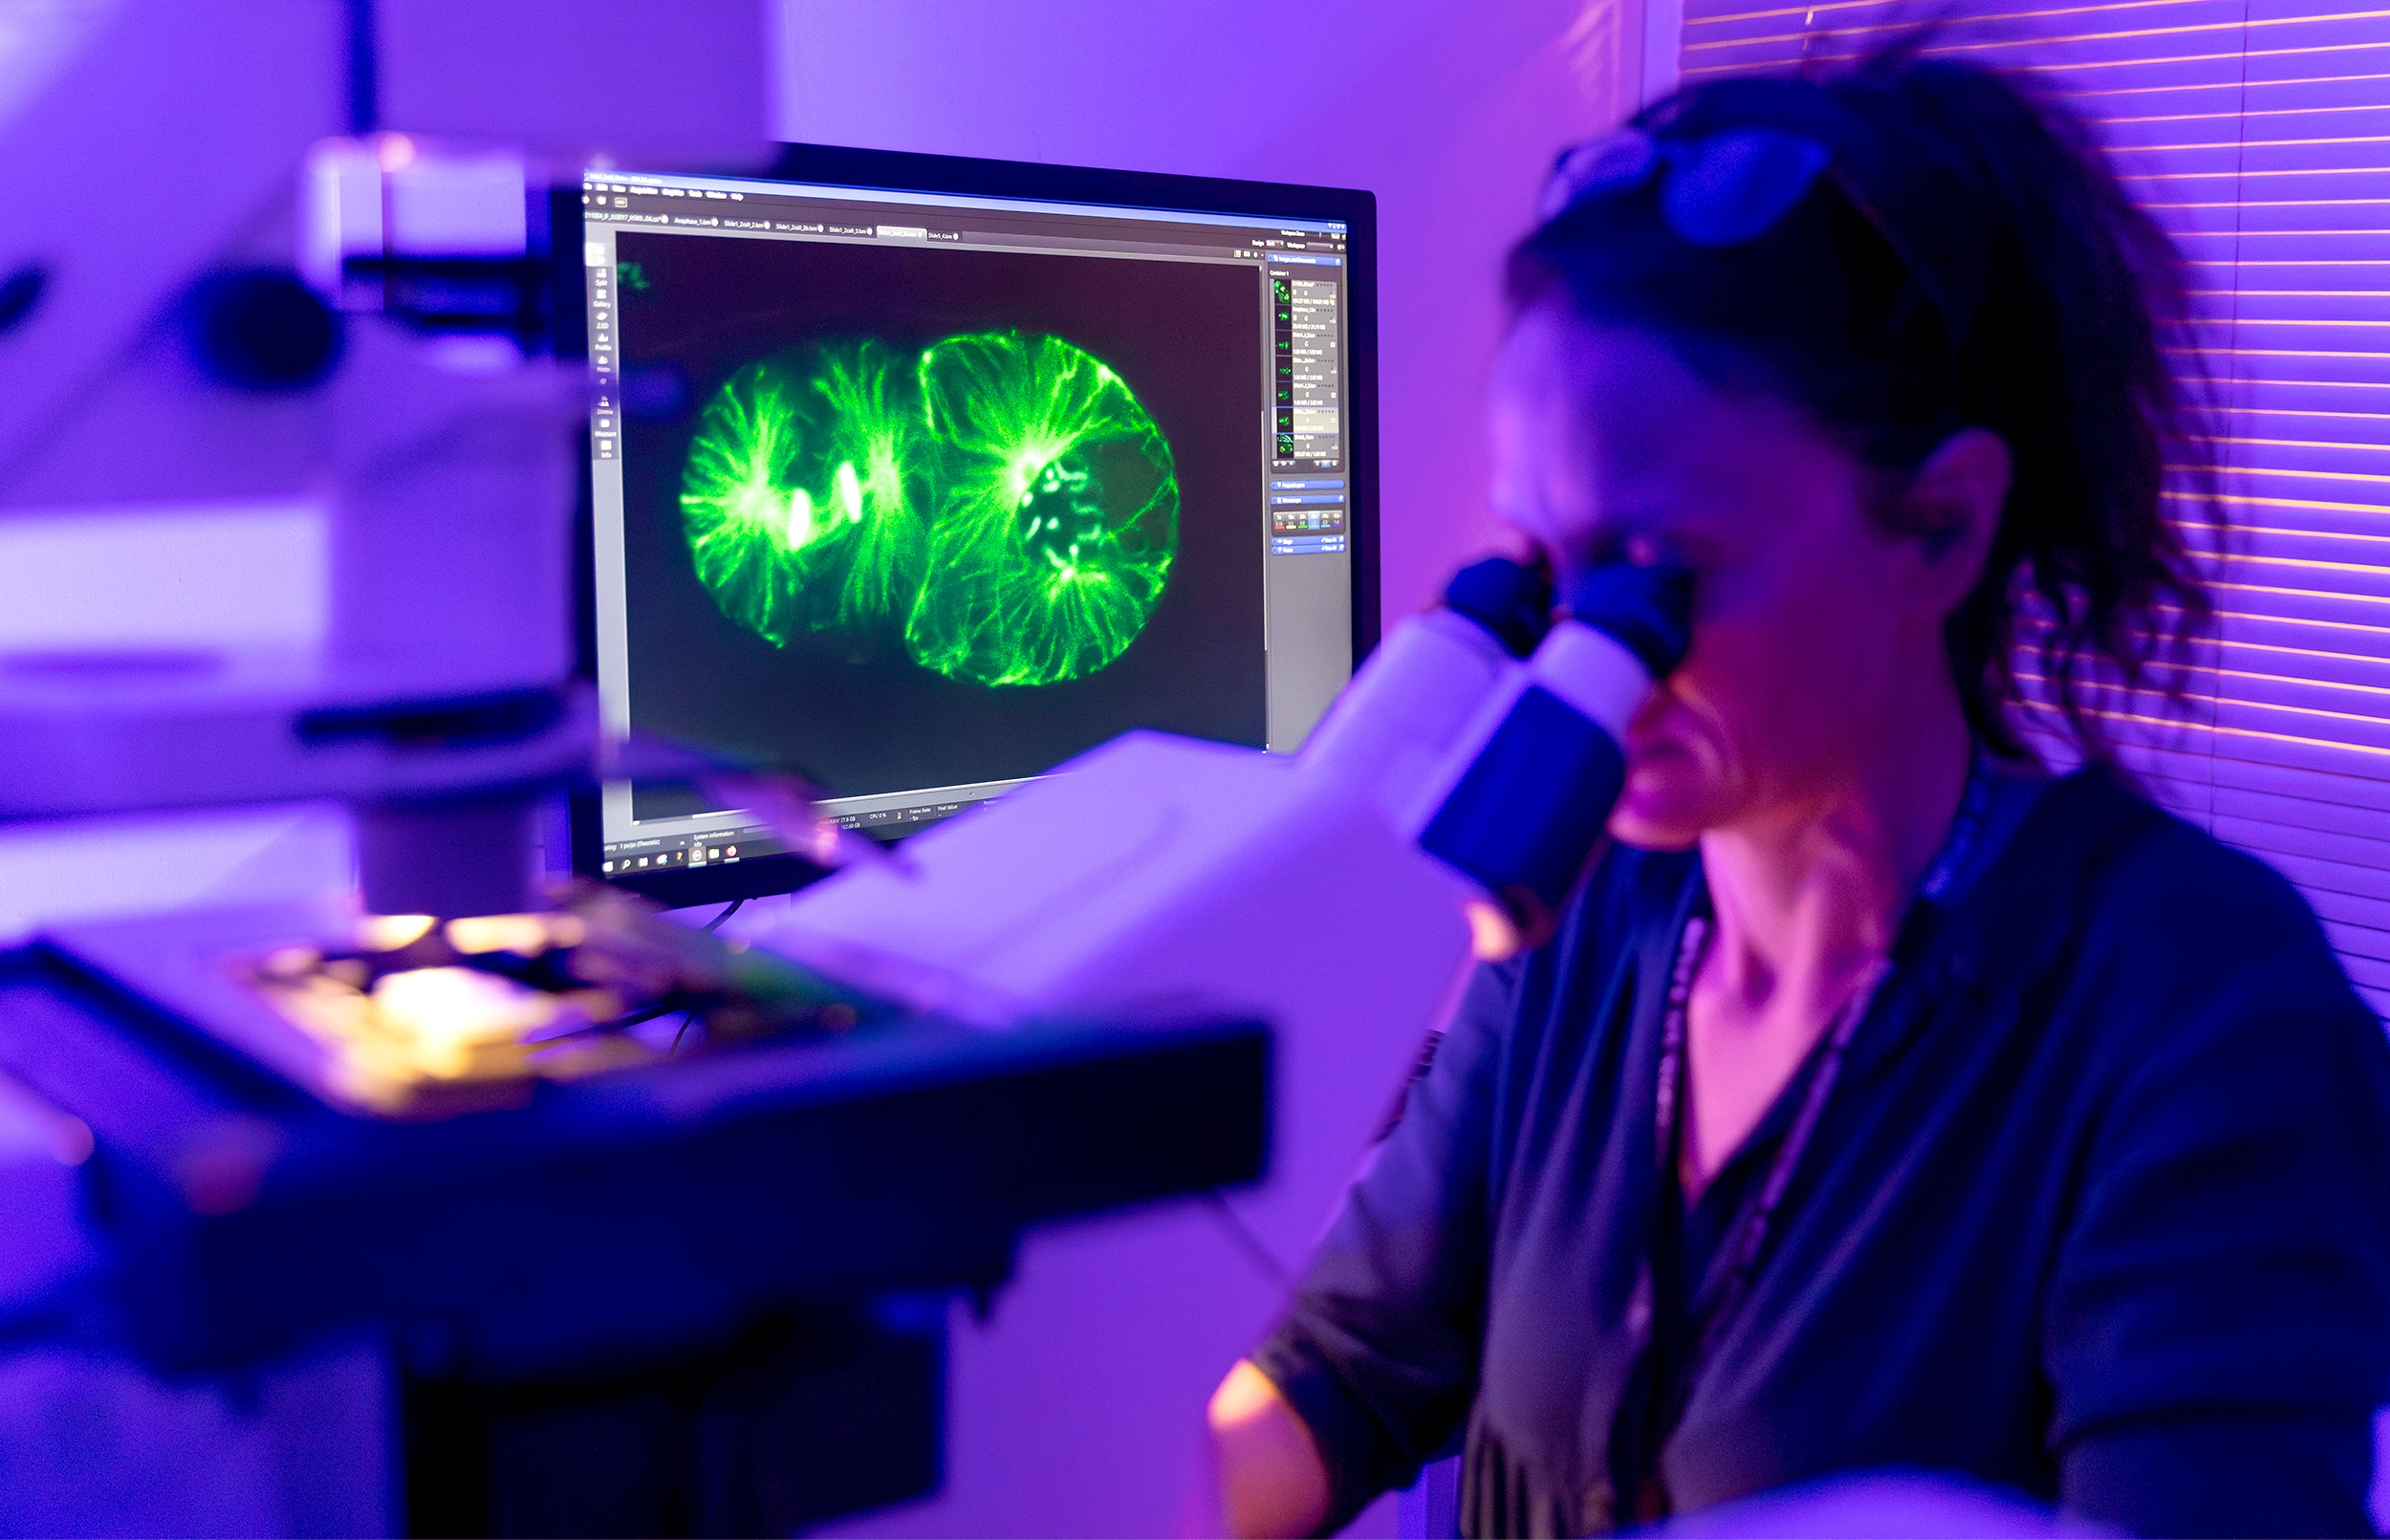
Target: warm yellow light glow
x=70 y=1141
x=435 y=1017
x=387 y=933
x=1493 y=937
x=527 y=935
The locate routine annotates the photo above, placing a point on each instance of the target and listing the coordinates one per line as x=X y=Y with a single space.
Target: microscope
x=405 y=1211
x=402 y=1211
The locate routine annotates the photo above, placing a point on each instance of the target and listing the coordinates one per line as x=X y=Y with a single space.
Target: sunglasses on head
x=1726 y=188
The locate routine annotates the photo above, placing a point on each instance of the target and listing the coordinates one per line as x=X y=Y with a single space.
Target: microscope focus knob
x=260 y=329
x=20 y=292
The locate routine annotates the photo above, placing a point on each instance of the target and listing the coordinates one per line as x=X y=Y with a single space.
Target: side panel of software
x=1311 y=578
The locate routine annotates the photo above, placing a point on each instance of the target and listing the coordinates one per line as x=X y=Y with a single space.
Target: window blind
x=2258 y=134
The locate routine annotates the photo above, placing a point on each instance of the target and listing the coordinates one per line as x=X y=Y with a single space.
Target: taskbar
x=687 y=851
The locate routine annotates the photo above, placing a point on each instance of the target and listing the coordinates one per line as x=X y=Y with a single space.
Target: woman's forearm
x=1271 y=1479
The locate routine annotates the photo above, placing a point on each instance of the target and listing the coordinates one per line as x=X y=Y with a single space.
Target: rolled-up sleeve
x=1379 y=1352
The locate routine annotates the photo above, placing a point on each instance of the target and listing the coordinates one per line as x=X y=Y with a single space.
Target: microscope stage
x=619 y=1214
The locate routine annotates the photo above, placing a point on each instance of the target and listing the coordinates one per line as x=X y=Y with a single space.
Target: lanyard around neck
x=1723 y=1292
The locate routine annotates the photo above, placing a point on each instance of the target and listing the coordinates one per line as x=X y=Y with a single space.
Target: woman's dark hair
x=1968 y=259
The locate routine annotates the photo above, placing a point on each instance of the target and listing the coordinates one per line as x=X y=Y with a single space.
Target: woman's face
x=1808 y=619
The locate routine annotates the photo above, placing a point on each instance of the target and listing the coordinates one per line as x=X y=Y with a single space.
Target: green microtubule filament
x=1005 y=500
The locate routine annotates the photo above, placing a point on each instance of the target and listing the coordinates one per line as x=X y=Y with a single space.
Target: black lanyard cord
x=1724 y=1289
x=1722 y=1294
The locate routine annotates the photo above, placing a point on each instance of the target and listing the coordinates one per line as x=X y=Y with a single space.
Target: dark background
x=852 y=709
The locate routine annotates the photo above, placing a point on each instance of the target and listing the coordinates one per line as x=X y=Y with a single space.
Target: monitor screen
x=923 y=492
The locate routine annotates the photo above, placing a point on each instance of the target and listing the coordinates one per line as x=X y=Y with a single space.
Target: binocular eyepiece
x=1494 y=728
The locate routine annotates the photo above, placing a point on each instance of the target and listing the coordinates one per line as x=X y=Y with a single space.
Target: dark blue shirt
x=2099 y=1209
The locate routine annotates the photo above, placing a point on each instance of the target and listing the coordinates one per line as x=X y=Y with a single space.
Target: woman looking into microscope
x=1882 y=1101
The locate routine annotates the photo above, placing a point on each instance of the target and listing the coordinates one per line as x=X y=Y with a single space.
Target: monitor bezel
x=904 y=171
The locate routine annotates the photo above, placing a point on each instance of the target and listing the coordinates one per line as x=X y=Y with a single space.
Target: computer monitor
x=919 y=475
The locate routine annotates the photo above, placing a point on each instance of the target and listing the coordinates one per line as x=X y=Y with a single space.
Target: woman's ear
x=1951 y=508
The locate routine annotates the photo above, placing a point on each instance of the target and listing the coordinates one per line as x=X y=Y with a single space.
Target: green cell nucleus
x=797 y=497
x=1054 y=512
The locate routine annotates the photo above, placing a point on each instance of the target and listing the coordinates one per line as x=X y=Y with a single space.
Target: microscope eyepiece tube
x=1646 y=610
x=1411 y=699
x=1510 y=599
x=1402 y=713
x=1519 y=804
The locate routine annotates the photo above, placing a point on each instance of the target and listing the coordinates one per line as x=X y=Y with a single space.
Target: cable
x=690 y=1020
x=1242 y=1236
x=618 y=1023
x=651 y=1013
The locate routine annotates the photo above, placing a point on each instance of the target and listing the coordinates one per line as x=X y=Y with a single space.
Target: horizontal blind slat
x=2350 y=910
x=2362 y=967
x=2259 y=719
x=2356 y=941
x=2303 y=692
x=2236 y=777
x=2329 y=819
x=2305 y=668
x=2298 y=752
x=2309 y=872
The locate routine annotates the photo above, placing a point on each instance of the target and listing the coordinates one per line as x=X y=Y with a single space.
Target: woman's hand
x=1268 y=1479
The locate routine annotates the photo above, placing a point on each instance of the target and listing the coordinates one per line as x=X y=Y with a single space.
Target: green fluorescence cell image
x=1054 y=512
x=1002 y=499
x=797 y=497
